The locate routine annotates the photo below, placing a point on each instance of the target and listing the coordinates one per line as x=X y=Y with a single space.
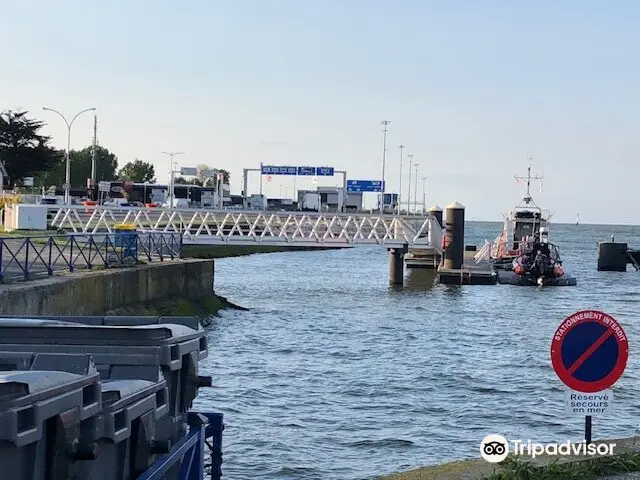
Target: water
x=335 y=375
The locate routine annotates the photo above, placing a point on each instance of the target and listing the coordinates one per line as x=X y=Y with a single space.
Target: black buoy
x=612 y=257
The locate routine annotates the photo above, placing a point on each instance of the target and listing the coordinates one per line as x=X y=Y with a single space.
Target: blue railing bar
x=161 y=466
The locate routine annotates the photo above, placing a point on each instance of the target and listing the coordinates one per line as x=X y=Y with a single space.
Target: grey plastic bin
x=115 y=320
x=143 y=352
x=41 y=413
x=126 y=430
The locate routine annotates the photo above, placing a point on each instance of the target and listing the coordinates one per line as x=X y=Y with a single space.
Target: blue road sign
x=302 y=171
x=325 y=171
x=364 y=186
x=589 y=351
x=278 y=170
x=307 y=171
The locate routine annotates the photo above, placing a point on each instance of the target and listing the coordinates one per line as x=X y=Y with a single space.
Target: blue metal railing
x=190 y=452
x=22 y=258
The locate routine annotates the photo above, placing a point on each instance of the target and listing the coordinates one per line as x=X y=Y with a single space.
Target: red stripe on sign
x=589 y=351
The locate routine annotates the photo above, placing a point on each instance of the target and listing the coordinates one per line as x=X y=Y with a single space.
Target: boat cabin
x=525 y=224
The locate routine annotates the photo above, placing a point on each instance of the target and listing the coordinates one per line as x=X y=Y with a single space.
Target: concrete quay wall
x=101 y=291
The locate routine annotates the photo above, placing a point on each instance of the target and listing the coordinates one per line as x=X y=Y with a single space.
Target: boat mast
x=528 y=178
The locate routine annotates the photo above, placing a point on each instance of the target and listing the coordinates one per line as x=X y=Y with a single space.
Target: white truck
x=310 y=202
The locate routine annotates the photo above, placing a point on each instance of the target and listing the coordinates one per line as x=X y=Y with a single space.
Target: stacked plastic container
x=95 y=397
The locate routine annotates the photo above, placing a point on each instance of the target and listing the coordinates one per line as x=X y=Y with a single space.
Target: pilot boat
x=521 y=226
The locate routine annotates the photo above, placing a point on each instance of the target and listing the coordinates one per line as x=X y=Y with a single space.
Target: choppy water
x=335 y=375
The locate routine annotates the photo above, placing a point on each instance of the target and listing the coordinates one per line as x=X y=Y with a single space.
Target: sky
x=472 y=89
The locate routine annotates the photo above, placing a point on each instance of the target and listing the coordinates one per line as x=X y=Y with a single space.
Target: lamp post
x=385 y=124
x=409 y=194
x=67 y=181
x=171 y=155
x=424 y=195
x=401 y=147
x=416 y=201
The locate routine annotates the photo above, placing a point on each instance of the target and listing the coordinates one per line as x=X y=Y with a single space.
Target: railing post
x=214 y=431
x=27 y=243
x=1 y=262
x=196 y=470
x=90 y=245
x=71 y=266
x=49 y=266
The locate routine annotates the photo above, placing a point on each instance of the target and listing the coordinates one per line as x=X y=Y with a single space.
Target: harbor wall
x=104 y=291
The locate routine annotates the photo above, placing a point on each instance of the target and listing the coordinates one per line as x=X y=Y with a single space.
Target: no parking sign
x=589 y=353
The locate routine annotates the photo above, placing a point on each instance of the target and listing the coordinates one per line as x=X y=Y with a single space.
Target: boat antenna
x=528 y=178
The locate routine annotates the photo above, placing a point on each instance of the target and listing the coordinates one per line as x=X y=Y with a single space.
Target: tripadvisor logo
x=495 y=448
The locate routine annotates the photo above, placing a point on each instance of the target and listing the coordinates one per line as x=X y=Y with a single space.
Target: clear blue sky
x=472 y=88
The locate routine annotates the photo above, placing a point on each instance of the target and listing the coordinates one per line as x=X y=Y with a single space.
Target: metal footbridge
x=236 y=227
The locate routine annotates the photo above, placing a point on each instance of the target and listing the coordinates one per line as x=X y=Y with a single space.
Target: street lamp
x=401 y=147
x=385 y=124
x=171 y=155
x=424 y=195
x=67 y=182
x=416 y=202
x=409 y=194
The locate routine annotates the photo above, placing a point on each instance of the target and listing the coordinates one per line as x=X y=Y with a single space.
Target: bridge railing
x=250 y=227
x=23 y=258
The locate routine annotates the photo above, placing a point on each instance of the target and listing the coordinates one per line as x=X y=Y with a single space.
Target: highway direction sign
x=307 y=171
x=589 y=351
x=279 y=170
x=301 y=171
x=325 y=171
x=364 y=186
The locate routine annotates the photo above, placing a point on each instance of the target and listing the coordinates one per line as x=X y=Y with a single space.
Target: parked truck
x=310 y=202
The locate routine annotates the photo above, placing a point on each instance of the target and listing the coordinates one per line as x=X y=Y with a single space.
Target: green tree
x=184 y=181
x=23 y=151
x=80 y=160
x=203 y=166
x=138 y=171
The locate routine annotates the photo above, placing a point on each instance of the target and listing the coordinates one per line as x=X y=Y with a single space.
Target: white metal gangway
x=211 y=227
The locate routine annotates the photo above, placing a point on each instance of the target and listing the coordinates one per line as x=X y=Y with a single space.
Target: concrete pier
x=396 y=264
x=99 y=291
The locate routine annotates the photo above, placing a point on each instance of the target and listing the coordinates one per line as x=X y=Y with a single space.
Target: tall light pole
x=401 y=147
x=416 y=201
x=67 y=181
x=410 y=156
x=385 y=124
x=171 y=155
x=424 y=195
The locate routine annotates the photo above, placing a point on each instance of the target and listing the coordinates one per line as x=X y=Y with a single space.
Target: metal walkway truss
x=220 y=227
